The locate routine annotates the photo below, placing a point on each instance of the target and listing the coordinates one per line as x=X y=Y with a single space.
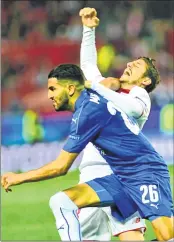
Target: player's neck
x=72 y=101
x=126 y=86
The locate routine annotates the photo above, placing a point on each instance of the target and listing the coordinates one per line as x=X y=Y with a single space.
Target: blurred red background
x=38 y=35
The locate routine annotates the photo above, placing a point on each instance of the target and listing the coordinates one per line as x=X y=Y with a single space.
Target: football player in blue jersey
x=140 y=180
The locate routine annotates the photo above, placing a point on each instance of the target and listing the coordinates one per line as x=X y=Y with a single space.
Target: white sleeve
x=131 y=105
x=143 y=97
x=88 y=56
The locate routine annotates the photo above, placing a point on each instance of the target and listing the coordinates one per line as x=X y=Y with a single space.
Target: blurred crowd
x=37 y=35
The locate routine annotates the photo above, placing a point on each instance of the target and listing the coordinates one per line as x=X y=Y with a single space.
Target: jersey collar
x=123 y=90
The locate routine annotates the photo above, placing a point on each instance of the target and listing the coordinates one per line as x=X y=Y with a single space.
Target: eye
x=52 y=88
x=137 y=65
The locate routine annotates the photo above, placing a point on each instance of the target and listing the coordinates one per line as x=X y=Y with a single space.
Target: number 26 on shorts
x=150 y=193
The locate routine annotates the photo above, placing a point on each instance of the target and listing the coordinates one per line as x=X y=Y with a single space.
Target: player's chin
x=56 y=107
x=124 y=78
x=60 y=108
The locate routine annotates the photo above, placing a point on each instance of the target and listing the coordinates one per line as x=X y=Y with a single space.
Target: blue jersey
x=116 y=136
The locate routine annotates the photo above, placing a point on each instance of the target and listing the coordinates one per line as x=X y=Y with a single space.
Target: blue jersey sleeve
x=86 y=125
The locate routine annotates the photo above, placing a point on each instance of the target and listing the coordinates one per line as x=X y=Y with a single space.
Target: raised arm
x=88 y=52
x=130 y=104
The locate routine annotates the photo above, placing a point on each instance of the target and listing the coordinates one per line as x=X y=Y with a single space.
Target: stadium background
x=38 y=35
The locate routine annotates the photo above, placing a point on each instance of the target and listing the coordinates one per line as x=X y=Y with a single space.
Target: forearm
x=46 y=172
x=58 y=167
x=88 y=56
x=88 y=52
x=126 y=103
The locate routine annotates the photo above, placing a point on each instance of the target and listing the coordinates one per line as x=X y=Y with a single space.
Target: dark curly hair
x=68 y=72
x=152 y=73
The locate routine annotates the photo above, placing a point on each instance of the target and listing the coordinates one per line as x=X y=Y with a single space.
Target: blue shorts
x=112 y=193
x=150 y=196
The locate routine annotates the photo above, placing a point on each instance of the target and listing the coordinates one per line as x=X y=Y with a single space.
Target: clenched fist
x=10 y=179
x=89 y=17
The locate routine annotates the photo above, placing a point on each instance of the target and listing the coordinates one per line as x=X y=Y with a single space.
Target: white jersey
x=136 y=104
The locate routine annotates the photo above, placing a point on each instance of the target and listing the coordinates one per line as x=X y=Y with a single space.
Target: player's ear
x=71 y=89
x=146 y=81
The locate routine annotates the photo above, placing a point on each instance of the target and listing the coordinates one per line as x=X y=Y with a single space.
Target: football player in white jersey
x=133 y=99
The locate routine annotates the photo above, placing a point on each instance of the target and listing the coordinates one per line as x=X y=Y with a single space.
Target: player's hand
x=89 y=17
x=9 y=179
x=88 y=84
x=111 y=83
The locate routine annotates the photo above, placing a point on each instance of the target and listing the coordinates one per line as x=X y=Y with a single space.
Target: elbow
x=64 y=172
x=136 y=113
x=58 y=169
x=63 y=169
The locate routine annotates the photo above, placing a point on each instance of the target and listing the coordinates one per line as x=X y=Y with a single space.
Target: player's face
x=134 y=72
x=58 y=94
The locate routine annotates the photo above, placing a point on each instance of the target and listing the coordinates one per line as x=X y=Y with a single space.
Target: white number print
x=130 y=124
x=94 y=98
x=152 y=191
x=154 y=197
x=144 y=188
x=111 y=108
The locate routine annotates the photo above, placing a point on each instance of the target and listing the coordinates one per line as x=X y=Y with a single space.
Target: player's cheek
x=58 y=98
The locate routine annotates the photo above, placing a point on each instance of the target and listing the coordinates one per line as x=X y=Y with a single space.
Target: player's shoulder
x=136 y=90
x=91 y=109
x=142 y=94
x=94 y=103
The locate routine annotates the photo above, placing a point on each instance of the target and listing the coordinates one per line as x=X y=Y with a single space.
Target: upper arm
x=88 y=56
x=92 y=72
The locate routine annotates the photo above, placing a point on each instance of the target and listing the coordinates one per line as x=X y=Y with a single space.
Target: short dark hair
x=152 y=73
x=68 y=71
